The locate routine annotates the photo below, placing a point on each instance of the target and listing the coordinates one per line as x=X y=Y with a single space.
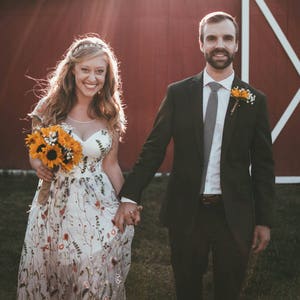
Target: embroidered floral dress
x=71 y=249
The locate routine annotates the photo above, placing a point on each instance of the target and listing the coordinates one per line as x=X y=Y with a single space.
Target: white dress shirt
x=212 y=181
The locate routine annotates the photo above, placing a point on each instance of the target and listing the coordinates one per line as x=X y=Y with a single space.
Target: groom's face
x=219 y=44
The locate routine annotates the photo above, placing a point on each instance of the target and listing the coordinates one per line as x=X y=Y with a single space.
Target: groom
x=221 y=186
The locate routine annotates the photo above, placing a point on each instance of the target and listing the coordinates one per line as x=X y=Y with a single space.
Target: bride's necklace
x=81 y=122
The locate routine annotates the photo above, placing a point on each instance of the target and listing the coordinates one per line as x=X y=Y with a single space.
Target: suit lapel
x=195 y=98
x=230 y=121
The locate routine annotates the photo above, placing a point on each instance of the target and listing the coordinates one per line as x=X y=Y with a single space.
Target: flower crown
x=86 y=46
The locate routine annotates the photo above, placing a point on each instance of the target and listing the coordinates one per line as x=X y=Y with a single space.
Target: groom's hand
x=127 y=214
x=261 y=238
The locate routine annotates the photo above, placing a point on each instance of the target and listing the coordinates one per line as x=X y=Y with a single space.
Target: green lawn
x=273 y=275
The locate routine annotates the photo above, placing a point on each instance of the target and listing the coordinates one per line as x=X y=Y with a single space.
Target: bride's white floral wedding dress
x=72 y=250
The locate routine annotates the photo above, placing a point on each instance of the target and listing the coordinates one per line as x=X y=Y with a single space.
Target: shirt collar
x=226 y=83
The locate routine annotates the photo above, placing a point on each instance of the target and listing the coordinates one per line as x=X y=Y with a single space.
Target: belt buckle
x=210 y=200
x=206 y=201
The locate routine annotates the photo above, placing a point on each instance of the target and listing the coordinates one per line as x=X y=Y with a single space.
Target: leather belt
x=210 y=200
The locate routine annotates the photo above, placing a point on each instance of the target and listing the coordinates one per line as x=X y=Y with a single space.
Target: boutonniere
x=241 y=94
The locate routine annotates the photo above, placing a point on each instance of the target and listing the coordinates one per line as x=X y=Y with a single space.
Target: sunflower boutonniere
x=241 y=94
x=56 y=148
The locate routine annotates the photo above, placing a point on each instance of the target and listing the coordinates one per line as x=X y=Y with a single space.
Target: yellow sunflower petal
x=52 y=156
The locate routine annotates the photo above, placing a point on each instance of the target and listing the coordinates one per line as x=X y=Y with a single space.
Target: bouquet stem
x=44 y=192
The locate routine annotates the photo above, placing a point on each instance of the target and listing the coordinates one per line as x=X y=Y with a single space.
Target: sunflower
x=77 y=151
x=47 y=131
x=240 y=93
x=64 y=139
x=235 y=92
x=37 y=150
x=33 y=138
x=72 y=155
x=52 y=156
x=36 y=144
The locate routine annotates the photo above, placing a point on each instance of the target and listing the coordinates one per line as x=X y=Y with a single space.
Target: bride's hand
x=127 y=214
x=41 y=170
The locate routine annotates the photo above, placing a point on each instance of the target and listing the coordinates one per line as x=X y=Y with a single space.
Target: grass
x=274 y=275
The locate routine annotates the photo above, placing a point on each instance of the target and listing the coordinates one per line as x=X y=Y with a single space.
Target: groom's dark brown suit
x=244 y=168
x=246 y=194
x=246 y=141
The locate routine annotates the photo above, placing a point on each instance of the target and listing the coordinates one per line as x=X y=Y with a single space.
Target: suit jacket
x=246 y=141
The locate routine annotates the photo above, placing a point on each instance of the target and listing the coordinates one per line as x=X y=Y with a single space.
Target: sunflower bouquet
x=56 y=148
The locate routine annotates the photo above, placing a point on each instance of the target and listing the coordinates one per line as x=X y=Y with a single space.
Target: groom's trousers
x=190 y=256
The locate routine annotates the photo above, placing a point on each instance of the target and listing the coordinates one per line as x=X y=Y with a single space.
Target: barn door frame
x=291 y=55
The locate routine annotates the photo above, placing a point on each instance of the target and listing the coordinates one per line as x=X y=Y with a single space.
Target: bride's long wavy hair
x=59 y=95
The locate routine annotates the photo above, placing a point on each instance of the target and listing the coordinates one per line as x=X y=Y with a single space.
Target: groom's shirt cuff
x=124 y=200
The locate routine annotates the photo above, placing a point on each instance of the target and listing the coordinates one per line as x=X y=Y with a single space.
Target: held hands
x=261 y=238
x=127 y=214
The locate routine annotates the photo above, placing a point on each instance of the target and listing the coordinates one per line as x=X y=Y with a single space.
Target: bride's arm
x=128 y=213
x=111 y=166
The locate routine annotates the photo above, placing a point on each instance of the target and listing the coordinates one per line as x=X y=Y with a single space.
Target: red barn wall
x=156 y=42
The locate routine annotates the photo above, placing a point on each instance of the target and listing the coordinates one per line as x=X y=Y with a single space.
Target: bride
x=72 y=249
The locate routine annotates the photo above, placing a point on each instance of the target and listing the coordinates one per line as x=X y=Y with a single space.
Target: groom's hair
x=217 y=17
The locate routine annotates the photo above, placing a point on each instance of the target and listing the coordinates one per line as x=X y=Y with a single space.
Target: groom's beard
x=219 y=64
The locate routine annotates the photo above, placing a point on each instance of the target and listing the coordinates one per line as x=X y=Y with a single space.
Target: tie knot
x=214 y=86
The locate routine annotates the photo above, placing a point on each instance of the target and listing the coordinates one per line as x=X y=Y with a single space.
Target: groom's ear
x=236 y=46
x=201 y=45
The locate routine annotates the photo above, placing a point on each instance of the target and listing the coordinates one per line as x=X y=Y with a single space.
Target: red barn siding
x=156 y=43
x=272 y=71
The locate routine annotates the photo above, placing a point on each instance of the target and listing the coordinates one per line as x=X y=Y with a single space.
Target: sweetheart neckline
x=84 y=141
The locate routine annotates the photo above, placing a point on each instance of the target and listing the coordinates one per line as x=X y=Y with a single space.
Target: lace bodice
x=94 y=149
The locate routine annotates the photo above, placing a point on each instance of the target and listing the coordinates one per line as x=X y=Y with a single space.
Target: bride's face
x=90 y=76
